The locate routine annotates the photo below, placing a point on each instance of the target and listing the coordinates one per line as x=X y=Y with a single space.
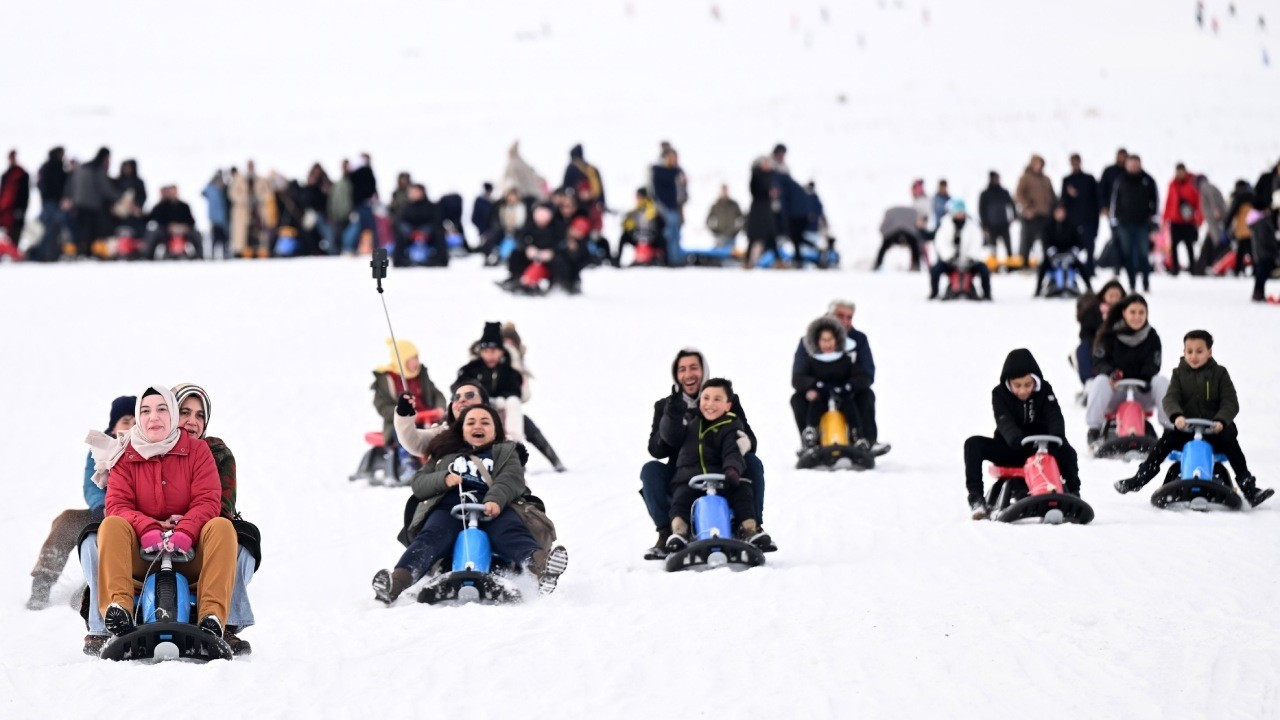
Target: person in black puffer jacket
x=1024 y=404
x=826 y=372
x=493 y=372
x=1127 y=348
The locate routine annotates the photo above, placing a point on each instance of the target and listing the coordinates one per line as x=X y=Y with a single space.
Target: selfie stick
x=379 y=265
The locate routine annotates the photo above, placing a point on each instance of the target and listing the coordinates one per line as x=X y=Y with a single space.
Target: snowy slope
x=885 y=600
x=867 y=99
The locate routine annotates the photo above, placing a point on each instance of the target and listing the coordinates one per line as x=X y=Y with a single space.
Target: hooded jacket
x=827 y=369
x=995 y=207
x=1039 y=414
x=1133 y=354
x=1204 y=392
x=706 y=446
x=659 y=448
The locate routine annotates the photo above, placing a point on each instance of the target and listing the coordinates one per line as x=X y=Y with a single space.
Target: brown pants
x=212 y=570
x=62 y=540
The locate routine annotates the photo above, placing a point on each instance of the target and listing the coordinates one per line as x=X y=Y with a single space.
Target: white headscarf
x=107 y=450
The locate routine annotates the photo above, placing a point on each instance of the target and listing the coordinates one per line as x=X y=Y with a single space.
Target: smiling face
x=1135 y=316
x=464 y=397
x=155 y=418
x=191 y=416
x=1022 y=387
x=122 y=425
x=478 y=428
x=1197 y=352
x=689 y=374
x=714 y=403
x=827 y=342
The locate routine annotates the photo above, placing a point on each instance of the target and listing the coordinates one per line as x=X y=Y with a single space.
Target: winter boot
x=118 y=620
x=93 y=644
x=534 y=435
x=1254 y=494
x=978 y=508
x=41 y=584
x=212 y=625
x=238 y=646
x=1147 y=470
x=548 y=567
x=679 y=537
x=751 y=532
x=659 y=549
x=387 y=585
x=809 y=438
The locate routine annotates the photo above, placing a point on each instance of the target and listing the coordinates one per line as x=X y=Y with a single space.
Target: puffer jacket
x=183 y=481
x=1137 y=361
x=430 y=489
x=1205 y=392
x=1039 y=414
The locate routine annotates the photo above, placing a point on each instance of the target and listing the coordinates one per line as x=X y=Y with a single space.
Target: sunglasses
x=468 y=395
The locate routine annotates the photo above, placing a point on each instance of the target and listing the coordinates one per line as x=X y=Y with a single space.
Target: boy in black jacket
x=709 y=444
x=1024 y=404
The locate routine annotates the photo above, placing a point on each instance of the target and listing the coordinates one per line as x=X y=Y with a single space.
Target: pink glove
x=181 y=542
x=151 y=541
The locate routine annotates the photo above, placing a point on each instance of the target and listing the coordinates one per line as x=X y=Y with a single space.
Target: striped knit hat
x=182 y=391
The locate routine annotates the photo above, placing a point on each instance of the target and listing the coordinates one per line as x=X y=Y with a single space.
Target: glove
x=151 y=541
x=744 y=443
x=181 y=542
x=459 y=466
x=404 y=406
x=731 y=477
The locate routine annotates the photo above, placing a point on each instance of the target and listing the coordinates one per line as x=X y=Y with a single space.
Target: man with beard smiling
x=688 y=371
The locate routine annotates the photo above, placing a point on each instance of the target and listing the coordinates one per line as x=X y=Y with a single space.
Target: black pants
x=844 y=403
x=1262 y=270
x=900 y=238
x=795 y=231
x=996 y=233
x=1179 y=234
x=862 y=418
x=1244 y=249
x=1088 y=238
x=1032 y=231
x=945 y=268
x=742 y=500
x=1226 y=442
x=997 y=452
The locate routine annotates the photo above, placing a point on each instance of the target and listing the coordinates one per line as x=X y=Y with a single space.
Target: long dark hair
x=1115 y=314
x=451 y=440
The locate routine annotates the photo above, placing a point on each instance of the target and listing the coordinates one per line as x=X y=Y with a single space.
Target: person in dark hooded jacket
x=688 y=371
x=1024 y=404
x=492 y=370
x=828 y=372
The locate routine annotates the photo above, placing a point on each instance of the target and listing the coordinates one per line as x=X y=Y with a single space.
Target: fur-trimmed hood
x=816 y=329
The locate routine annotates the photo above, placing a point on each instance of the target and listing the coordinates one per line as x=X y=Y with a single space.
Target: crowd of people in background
x=522 y=221
x=1221 y=234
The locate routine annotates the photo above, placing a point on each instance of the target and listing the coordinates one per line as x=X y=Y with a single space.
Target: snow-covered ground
x=884 y=601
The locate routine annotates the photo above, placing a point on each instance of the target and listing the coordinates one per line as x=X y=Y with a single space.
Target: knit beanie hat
x=120 y=407
x=492 y=336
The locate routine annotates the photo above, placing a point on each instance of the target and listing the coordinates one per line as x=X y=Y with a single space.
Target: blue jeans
x=1135 y=245
x=655 y=488
x=508 y=537
x=671 y=233
x=54 y=220
x=239 y=615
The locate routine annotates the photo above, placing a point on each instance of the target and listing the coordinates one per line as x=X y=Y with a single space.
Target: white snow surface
x=884 y=600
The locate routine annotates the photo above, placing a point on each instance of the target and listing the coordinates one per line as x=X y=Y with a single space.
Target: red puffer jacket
x=183 y=482
x=1183 y=195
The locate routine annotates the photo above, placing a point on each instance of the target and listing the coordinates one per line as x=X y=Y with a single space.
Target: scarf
x=107 y=450
x=1132 y=338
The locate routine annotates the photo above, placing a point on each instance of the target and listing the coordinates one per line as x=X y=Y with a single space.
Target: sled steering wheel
x=706 y=480
x=1205 y=426
x=460 y=510
x=1042 y=442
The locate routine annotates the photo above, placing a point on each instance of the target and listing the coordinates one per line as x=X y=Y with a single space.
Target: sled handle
x=1042 y=442
x=461 y=509
x=1130 y=383
x=1205 y=427
x=707 y=480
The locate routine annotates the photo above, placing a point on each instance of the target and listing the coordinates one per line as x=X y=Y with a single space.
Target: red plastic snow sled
x=1035 y=490
x=1126 y=434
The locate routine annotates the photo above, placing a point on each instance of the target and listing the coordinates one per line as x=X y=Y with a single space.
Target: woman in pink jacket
x=162 y=479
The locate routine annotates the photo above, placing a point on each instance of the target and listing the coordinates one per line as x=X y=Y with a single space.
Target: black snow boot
x=659 y=549
x=1254 y=494
x=534 y=435
x=118 y=620
x=809 y=437
x=237 y=645
x=387 y=585
x=978 y=508
x=212 y=625
x=1147 y=470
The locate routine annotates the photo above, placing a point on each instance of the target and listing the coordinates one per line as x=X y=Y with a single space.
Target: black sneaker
x=382 y=586
x=1254 y=495
x=212 y=625
x=237 y=645
x=118 y=620
x=1128 y=485
x=93 y=644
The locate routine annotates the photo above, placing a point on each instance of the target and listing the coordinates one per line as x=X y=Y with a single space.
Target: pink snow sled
x=1035 y=490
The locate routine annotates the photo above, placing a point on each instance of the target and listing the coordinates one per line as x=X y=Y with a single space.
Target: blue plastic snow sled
x=472 y=575
x=1062 y=280
x=164 y=611
x=713 y=544
x=1197 y=476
